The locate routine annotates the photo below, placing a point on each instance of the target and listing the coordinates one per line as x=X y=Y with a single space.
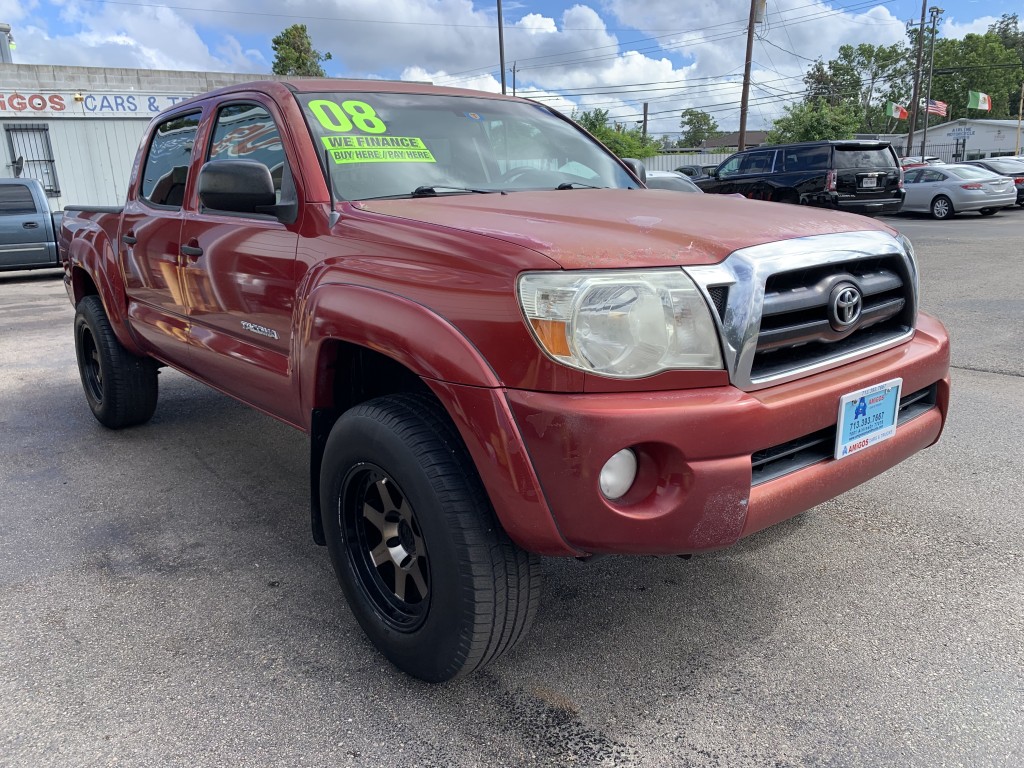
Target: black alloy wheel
x=381 y=535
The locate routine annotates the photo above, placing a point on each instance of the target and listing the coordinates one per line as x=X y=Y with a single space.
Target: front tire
x=942 y=208
x=988 y=211
x=121 y=388
x=430 y=575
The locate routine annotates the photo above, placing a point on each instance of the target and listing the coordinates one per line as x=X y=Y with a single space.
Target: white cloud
x=535 y=23
x=145 y=38
x=16 y=10
x=570 y=61
x=950 y=27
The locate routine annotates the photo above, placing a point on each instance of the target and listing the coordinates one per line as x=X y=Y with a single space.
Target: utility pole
x=935 y=11
x=514 y=77
x=645 y=123
x=745 y=98
x=501 y=47
x=916 y=98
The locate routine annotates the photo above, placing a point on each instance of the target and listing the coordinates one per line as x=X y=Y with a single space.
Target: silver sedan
x=945 y=190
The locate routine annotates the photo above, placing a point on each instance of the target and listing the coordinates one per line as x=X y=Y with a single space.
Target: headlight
x=621 y=324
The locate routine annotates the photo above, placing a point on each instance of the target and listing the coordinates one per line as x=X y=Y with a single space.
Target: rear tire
x=428 y=572
x=942 y=208
x=988 y=211
x=121 y=388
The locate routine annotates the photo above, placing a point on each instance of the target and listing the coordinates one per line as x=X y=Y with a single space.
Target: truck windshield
x=380 y=145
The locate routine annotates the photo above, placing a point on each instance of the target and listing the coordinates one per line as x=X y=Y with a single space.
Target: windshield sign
x=380 y=145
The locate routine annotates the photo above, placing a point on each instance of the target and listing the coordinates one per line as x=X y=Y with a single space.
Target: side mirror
x=241 y=186
x=637 y=168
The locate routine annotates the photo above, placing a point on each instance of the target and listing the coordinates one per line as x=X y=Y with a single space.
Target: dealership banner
x=85 y=104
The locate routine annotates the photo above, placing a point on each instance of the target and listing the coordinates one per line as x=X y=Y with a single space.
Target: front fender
x=407 y=332
x=465 y=384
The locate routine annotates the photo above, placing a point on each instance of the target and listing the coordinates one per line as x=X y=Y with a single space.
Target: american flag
x=933 y=107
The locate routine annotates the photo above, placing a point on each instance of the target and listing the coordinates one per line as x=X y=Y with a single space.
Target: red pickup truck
x=500 y=344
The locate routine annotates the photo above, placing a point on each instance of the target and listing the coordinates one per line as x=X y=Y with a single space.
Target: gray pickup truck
x=27 y=228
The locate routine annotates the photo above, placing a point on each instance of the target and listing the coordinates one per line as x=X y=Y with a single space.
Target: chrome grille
x=795 y=325
x=776 y=324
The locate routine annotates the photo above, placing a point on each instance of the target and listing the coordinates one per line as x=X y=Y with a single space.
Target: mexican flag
x=892 y=109
x=979 y=100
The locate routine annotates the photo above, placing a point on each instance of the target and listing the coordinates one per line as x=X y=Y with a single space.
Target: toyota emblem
x=845 y=307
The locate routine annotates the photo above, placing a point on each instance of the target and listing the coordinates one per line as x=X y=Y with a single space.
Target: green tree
x=1008 y=30
x=294 y=54
x=697 y=127
x=866 y=77
x=622 y=141
x=973 y=64
x=814 y=120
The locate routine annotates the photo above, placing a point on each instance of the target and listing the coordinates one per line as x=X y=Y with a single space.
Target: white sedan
x=945 y=190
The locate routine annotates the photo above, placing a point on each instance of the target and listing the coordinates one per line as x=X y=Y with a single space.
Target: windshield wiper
x=432 y=191
x=574 y=184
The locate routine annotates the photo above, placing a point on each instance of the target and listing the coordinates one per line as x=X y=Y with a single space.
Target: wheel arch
x=370 y=335
x=94 y=272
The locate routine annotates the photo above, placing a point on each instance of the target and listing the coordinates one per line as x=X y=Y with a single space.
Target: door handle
x=191 y=251
x=31 y=225
x=129 y=239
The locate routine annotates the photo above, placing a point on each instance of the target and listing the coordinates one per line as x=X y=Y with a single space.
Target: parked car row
x=857 y=176
x=863 y=177
x=945 y=190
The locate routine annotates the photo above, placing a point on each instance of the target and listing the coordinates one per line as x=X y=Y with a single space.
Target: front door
x=239 y=272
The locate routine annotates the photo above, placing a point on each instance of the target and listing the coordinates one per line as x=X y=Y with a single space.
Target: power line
x=840 y=10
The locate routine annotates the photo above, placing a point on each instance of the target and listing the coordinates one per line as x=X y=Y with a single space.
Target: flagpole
x=1020 y=112
x=935 y=13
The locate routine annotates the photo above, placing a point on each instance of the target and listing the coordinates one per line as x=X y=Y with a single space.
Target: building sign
x=961 y=132
x=84 y=104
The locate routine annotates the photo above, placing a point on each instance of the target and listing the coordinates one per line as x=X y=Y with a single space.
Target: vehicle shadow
x=34 y=276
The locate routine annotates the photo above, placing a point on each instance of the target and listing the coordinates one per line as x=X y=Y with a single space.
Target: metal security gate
x=30 y=149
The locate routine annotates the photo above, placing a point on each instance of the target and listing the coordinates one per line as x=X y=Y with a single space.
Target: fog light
x=618 y=474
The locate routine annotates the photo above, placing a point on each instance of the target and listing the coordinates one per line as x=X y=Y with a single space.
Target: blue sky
x=608 y=54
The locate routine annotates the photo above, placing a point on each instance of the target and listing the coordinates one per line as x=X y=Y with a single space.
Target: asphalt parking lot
x=162 y=604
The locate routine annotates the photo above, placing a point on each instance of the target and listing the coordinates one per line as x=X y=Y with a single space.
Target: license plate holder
x=869 y=182
x=867 y=417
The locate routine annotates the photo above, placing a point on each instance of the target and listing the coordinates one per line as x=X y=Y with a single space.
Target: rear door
x=917 y=194
x=151 y=239
x=866 y=173
x=23 y=229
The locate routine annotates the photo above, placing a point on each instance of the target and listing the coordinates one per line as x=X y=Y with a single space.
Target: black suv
x=858 y=176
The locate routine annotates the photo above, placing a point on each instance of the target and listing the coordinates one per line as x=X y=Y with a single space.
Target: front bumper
x=694 y=486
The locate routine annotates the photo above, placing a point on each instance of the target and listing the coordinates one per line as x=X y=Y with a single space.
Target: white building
x=970 y=139
x=77 y=129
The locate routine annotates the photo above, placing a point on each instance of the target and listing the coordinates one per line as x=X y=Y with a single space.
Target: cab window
x=248 y=132
x=806 y=159
x=16 y=199
x=758 y=162
x=731 y=166
x=167 y=162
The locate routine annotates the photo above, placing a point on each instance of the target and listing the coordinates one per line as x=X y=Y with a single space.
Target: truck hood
x=591 y=228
